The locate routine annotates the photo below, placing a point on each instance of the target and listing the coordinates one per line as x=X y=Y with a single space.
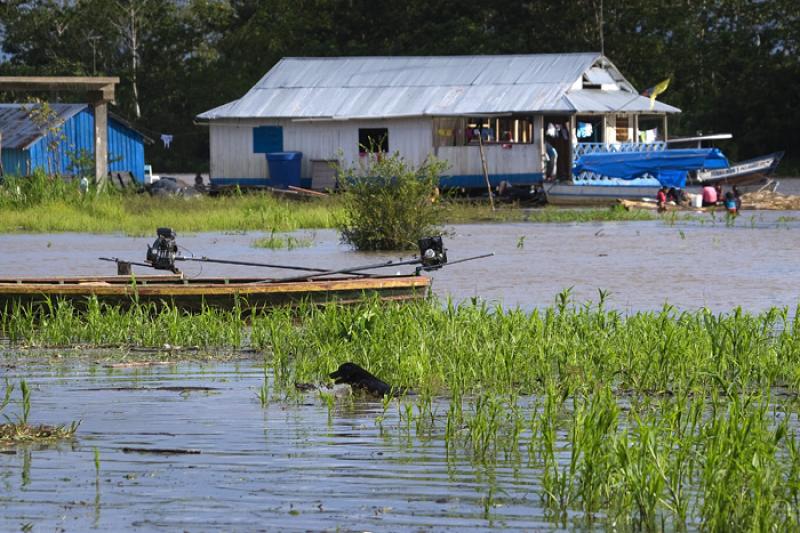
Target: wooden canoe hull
x=193 y=295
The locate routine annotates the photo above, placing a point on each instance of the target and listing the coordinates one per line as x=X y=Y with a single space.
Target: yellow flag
x=654 y=91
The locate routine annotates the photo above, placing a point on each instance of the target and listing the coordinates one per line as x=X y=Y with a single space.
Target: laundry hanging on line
x=166 y=139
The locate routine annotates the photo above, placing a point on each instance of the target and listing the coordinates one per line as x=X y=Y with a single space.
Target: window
x=650 y=129
x=622 y=131
x=371 y=140
x=589 y=129
x=500 y=130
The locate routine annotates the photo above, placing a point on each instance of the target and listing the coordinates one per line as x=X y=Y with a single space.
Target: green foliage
x=21 y=431
x=389 y=204
x=39 y=204
x=23 y=194
x=46 y=120
x=192 y=56
x=651 y=421
x=277 y=242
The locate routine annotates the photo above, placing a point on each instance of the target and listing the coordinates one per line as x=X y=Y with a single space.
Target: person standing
x=551 y=161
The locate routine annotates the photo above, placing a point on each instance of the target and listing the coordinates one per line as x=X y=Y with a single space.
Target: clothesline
x=167 y=138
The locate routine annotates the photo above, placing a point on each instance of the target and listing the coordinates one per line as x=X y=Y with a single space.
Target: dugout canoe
x=224 y=293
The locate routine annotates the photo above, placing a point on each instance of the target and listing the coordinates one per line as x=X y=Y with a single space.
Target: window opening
x=650 y=129
x=622 y=130
x=372 y=140
x=503 y=130
x=589 y=129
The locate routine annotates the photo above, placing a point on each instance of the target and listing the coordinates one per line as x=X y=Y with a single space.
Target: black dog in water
x=358 y=378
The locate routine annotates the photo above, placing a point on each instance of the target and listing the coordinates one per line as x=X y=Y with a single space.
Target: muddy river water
x=216 y=460
x=689 y=264
x=189 y=446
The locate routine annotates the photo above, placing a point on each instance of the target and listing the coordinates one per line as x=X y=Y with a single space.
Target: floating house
x=510 y=107
x=63 y=142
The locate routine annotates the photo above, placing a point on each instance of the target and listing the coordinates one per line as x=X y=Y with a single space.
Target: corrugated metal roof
x=19 y=131
x=385 y=87
x=597 y=101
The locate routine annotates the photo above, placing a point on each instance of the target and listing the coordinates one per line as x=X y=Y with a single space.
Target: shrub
x=389 y=204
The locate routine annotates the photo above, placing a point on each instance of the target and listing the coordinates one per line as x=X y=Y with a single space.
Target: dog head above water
x=358 y=378
x=349 y=372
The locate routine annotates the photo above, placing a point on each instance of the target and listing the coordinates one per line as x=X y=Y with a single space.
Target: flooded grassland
x=590 y=408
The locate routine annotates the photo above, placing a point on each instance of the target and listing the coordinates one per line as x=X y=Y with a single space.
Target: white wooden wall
x=232 y=147
x=231 y=151
x=232 y=143
x=466 y=160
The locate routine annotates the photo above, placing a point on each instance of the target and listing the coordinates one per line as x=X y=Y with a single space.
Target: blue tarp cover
x=669 y=167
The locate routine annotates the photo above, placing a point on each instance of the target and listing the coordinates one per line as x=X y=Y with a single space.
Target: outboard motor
x=432 y=253
x=161 y=255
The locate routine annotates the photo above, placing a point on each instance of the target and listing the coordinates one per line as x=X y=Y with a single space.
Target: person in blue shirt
x=730 y=203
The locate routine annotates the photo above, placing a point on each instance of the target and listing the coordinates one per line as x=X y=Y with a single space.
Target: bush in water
x=389 y=204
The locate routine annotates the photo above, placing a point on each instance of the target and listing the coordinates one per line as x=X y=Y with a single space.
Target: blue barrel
x=284 y=168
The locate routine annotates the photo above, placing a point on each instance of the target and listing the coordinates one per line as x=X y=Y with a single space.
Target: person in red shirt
x=661 y=199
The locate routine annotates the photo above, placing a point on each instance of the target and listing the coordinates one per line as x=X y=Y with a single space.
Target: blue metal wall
x=15 y=162
x=125 y=149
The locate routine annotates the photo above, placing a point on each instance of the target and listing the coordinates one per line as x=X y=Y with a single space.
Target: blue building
x=67 y=142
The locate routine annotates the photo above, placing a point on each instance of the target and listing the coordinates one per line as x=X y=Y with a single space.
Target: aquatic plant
x=277 y=242
x=20 y=431
x=653 y=420
x=389 y=204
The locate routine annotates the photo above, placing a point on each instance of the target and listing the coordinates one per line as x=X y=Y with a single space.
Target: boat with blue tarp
x=605 y=177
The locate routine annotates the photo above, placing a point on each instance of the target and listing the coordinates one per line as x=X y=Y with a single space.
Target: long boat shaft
x=247 y=263
x=117 y=260
x=490 y=254
x=351 y=270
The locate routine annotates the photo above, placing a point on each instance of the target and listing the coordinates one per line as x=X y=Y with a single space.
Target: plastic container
x=284 y=168
x=697 y=200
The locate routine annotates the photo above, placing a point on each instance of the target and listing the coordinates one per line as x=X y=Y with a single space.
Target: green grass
x=138 y=215
x=279 y=242
x=649 y=421
x=464 y=212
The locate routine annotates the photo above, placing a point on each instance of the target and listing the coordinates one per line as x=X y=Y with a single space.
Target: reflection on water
x=286 y=466
x=690 y=264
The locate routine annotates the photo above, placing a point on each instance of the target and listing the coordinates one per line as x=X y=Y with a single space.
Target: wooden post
x=100 y=110
x=485 y=167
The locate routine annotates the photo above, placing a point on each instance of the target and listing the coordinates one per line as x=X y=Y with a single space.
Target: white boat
x=746 y=172
x=586 y=195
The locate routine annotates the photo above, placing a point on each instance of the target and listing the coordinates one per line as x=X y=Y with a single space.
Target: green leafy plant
x=390 y=204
